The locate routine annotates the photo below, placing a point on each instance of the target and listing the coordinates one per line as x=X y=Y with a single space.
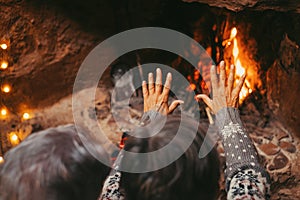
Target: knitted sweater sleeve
x=245 y=178
x=111 y=189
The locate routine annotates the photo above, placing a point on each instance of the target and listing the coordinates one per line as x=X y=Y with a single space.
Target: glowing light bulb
x=3 y=46
x=6 y=88
x=1 y=159
x=4 y=64
x=26 y=116
x=14 y=139
x=3 y=112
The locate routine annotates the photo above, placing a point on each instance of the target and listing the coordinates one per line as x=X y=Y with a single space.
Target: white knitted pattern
x=230 y=130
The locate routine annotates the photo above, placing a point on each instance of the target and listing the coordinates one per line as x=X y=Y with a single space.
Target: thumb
x=206 y=100
x=174 y=105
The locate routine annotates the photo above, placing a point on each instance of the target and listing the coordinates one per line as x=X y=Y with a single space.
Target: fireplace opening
x=43 y=46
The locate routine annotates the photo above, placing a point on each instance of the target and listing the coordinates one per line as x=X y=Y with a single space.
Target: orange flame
x=239 y=69
x=233 y=33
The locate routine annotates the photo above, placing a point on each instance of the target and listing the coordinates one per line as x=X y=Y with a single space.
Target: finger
x=158 y=82
x=214 y=79
x=151 y=83
x=167 y=87
x=230 y=79
x=222 y=74
x=145 y=89
x=237 y=102
x=237 y=89
x=206 y=100
x=174 y=105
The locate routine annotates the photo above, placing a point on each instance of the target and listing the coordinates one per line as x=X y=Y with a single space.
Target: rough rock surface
x=283 y=85
x=48 y=40
x=278 y=5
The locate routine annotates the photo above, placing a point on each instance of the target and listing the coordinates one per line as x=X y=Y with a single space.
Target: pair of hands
x=224 y=95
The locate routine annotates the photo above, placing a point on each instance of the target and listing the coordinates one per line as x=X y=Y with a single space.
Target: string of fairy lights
x=6 y=88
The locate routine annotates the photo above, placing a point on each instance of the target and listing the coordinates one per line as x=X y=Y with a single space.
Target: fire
x=239 y=69
x=233 y=33
x=235 y=49
x=235 y=54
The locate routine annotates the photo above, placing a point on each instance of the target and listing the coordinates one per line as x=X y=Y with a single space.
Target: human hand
x=156 y=96
x=224 y=95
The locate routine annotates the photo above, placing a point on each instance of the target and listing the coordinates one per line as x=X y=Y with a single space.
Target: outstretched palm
x=156 y=95
x=224 y=95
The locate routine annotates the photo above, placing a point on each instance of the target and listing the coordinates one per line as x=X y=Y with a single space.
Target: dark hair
x=52 y=164
x=189 y=177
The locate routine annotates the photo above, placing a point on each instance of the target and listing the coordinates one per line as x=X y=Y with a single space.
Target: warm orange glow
x=239 y=68
x=14 y=139
x=26 y=116
x=247 y=83
x=243 y=93
x=3 y=111
x=3 y=46
x=191 y=87
x=235 y=50
x=6 y=88
x=233 y=33
x=1 y=159
x=4 y=65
